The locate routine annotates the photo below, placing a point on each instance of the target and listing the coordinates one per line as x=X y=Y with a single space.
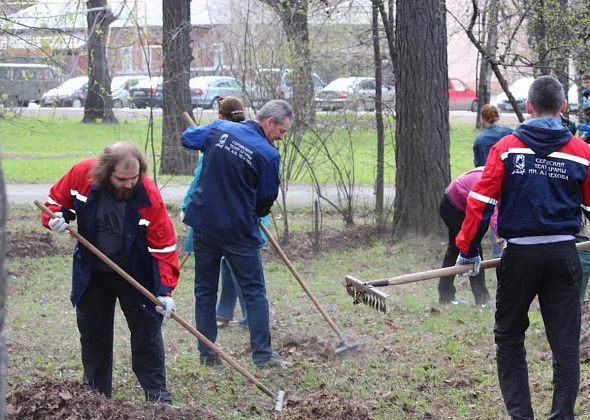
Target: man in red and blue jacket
x=120 y=211
x=540 y=176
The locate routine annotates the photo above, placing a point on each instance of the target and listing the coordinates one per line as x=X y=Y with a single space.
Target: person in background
x=490 y=135
x=540 y=175
x=452 y=211
x=238 y=184
x=120 y=211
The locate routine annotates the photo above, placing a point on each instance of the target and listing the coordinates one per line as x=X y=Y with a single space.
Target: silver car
x=356 y=93
x=207 y=90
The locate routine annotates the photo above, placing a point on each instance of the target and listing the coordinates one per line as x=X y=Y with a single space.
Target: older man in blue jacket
x=238 y=185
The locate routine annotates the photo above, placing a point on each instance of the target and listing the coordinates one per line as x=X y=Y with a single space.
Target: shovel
x=368 y=293
x=278 y=397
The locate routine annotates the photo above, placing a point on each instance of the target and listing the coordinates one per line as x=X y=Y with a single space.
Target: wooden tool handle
x=299 y=279
x=157 y=302
x=187 y=119
x=447 y=271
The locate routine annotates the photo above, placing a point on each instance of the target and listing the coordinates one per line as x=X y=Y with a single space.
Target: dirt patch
x=309 y=348
x=300 y=245
x=323 y=406
x=70 y=400
x=24 y=243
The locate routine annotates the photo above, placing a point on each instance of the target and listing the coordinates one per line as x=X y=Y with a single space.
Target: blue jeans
x=230 y=292
x=246 y=264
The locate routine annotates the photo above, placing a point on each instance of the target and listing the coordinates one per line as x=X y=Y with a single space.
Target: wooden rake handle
x=297 y=276
x=446 y=271
x=157 y=302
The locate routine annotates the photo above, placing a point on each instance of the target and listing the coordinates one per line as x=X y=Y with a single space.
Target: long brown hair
x=111 y=156
x=232 y=109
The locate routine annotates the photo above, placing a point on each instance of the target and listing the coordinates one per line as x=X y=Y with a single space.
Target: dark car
x=72 y=93
x=120 y=86
x=147 y=93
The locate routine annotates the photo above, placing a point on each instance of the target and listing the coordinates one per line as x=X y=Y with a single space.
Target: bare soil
x=47 y=399
x=321 y=405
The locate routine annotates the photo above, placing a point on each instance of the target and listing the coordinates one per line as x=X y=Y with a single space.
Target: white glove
x=476 y=261
x=181 y=216
x=58 y=223
x=166 y=309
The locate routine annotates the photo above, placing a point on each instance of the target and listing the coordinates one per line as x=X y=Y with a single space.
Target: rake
x=278 y=397
x=368 y=293
x=344 y=344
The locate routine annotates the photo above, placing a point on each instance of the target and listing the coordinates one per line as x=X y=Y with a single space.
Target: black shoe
x=210 y=361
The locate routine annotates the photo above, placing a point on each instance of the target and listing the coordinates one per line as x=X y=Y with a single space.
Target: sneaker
x=222 y=323
x=274 y=361
x=210 y=360
x=490 y=304
x=459 y=302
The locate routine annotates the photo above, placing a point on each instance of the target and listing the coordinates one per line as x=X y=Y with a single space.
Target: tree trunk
x=99 y=102
x=176 y=46
x=293 y=15
x=3 y=352
x=422 y=130
x=379 y=181
x=490 y=31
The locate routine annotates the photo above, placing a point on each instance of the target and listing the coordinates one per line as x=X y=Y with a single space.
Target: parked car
x=357 y=93
x=147 y=93
x=21 y=83
x=120 y=86
x=277 y=83
x=461 y=97
x=207 y=90
x=72 y=92
x=520 y=90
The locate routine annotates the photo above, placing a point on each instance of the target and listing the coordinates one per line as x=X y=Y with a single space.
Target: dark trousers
x=453 y=218
x=95 y=315
x=553 y=273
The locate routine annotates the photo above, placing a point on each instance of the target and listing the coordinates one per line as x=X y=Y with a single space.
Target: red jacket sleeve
x=73 y=183
x=481 y=203
x=161 y=239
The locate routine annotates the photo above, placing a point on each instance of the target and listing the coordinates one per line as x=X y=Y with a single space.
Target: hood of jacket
x=543 y=135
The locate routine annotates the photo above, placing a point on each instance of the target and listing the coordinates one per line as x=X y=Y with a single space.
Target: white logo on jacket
x=518 y=165
x=222 y=140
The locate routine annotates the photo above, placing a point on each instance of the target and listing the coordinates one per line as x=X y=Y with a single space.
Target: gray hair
x=277 y=109
x=546 y=95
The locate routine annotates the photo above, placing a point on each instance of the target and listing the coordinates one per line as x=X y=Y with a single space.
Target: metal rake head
x=366 y=294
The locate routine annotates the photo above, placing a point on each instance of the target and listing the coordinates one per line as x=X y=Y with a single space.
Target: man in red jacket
x=120 y=211
x=540 y=175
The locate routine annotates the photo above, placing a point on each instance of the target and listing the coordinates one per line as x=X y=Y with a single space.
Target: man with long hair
x=120 y=211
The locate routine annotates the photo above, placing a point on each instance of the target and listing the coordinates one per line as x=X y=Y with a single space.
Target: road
x=298 y=195
x=507 y=118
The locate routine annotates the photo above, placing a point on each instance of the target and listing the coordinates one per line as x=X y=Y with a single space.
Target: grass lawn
x=42 y=149
x=418 y=361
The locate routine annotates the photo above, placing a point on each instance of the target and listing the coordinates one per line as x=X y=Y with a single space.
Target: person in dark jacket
x=239 y=183
x=120 y=211
x=490 y=135
x=540 y=176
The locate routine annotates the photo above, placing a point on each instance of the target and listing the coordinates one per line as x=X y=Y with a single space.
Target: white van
x=21 y=83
